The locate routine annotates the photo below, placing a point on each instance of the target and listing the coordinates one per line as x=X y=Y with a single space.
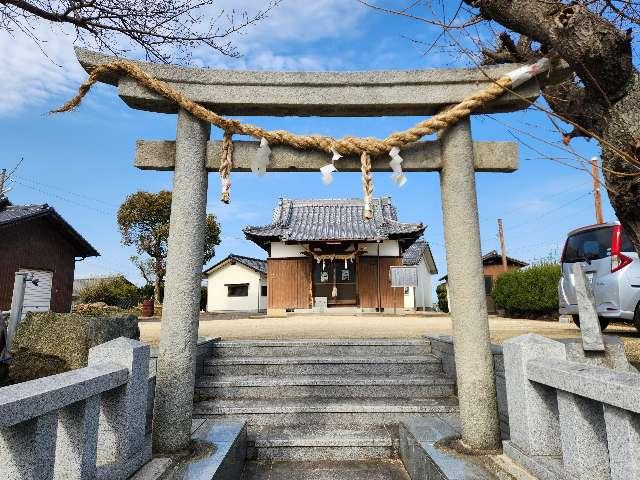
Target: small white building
x=419 y=255
x=237 y=283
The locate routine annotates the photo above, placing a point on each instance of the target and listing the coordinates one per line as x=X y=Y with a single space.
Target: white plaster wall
x=388 y=248
x=217 y=299
x=282 y=250
x=409 y=298
x=423 y=290
x=263 y=299
x=420 y=296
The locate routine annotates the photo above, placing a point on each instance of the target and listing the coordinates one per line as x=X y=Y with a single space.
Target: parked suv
x=612 y=266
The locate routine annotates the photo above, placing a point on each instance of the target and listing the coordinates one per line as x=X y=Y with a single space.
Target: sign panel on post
x=404 y=276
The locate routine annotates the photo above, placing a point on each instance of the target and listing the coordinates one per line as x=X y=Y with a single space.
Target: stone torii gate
x=455 y=156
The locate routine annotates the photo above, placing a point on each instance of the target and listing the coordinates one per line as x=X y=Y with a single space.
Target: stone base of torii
x=455 y=156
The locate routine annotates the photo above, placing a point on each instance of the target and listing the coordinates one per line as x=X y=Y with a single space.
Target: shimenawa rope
x=365 y=146
x=226 y=165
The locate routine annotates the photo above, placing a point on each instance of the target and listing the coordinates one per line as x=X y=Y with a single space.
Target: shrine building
x=325 y=251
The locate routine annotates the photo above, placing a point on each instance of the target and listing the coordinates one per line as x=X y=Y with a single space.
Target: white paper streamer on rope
x=326 y=172
x=328 y=169
x=523 y=74
x=261 y=160
x=398 y=176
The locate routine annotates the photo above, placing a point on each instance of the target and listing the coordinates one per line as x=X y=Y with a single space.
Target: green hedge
x=529 y=293
x=441 y=292
x=116 y=292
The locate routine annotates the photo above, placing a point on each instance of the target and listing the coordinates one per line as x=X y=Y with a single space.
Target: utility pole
x=503 y=248
x=596 y=189
x=3 y=176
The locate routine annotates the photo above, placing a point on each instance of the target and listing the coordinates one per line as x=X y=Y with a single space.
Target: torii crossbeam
x=343 y=94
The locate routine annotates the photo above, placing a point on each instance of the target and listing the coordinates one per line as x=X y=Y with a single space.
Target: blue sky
x=81 y=163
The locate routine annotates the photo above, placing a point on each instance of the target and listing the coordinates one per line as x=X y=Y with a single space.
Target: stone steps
x=324 y=411
x=345 y=470
x=323 y=400
x=312 y=443
x=322 y=347
x=326 y=386
x=323 y=365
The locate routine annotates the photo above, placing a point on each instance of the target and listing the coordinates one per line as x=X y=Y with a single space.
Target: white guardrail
x=577 y=420
x=80 y=425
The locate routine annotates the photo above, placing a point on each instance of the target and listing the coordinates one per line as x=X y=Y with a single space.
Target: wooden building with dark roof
x=35 y=238
x=324 y=250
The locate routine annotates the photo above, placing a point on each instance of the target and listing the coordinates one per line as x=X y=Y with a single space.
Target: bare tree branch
x=165 y=30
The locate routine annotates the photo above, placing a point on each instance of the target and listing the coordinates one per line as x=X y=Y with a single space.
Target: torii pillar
x=344 y=94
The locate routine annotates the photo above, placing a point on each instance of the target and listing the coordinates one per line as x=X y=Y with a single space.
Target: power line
x=535 y=219
x=518 y=209
x=79 y=195
x=60 y=197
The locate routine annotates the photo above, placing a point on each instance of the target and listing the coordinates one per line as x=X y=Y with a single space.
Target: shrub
x=146 y=291
x=48 y=343
x=532 y=292
x=99 y=309
x=441 y=292
x=116 y=292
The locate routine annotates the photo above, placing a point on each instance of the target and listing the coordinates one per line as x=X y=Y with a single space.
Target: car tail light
x=618 y=259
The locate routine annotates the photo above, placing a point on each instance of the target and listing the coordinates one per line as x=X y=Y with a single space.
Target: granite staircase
x=323 y=400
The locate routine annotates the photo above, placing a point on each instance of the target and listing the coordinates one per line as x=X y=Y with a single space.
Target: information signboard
x=403 y=276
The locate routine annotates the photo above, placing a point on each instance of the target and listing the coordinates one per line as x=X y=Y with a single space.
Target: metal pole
x=175 y=377
x=472 y=347
x=17 y=302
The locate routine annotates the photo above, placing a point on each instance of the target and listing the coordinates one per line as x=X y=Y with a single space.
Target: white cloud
x=33 y=73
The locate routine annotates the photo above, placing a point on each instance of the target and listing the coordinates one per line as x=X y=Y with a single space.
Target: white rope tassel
x=260 y=162
x=398 y=176
x=328 y=169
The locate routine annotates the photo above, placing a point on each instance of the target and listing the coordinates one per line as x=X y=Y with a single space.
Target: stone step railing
x=79 y=425
x=567 y=419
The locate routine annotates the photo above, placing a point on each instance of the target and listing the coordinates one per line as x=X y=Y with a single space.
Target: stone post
x=123 y=410
x=583 y=434
x=623 y=440
x=77 y=441
x=175 y=377
x=589 y=323
x=17 y=302
x=472 y=347
x=27 y=450
x=533 y=412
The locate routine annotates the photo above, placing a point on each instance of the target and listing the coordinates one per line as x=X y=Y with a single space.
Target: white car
x=611 y=265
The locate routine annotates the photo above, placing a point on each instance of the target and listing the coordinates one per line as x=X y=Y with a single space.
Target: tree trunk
x=621 y=131
x=606 y=101
x=157 y=284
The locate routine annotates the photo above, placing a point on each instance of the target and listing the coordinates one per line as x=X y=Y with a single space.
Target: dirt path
x=378 y=326
x=348 y=326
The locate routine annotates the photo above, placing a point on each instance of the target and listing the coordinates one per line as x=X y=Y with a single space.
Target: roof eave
x=86 y=249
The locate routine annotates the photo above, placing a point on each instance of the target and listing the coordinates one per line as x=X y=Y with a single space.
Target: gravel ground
x=239 y=326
